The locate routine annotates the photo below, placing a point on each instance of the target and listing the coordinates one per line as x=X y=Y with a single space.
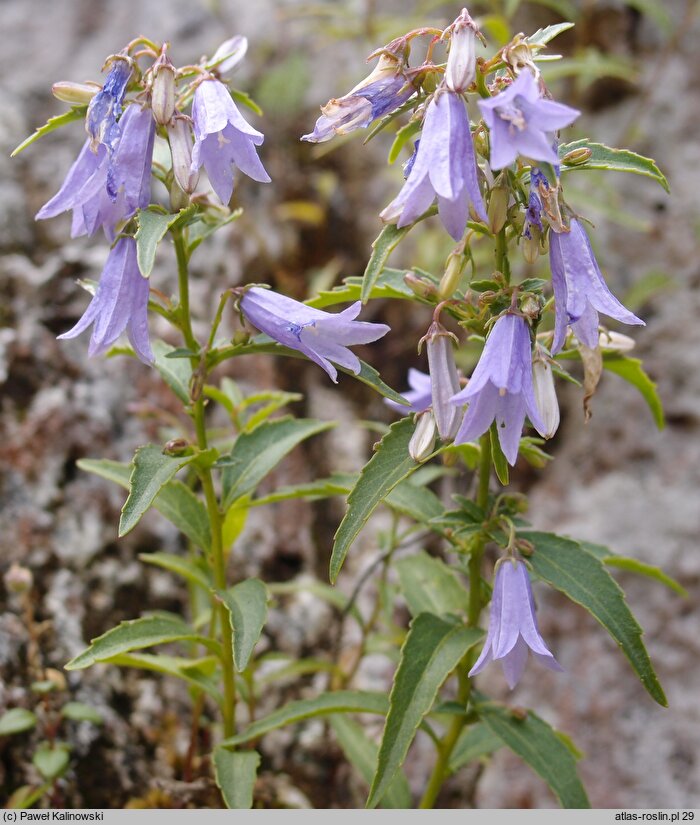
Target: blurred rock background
x=633 y=69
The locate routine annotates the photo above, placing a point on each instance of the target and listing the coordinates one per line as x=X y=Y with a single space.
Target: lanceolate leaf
x=429 y=586
x=568 y=567
x=256 y=453
x=615 y=160
x=181 y=566
x=415 y=501
x=135 y=635
x=196 y=672
x=432 y=650
x=152 y=227
x=632 y=370
x=235 y=773
x=389 y=284
x=382 y=247
x=390 y=465
x=340 y=701
x=476 y=742
x=362 y=753
x=53 y=123
x=247 y=607
x=176 y=372
x=537 y=744
x=152 y=470
x=175 y=501
x=606 y=555
x=543 y=36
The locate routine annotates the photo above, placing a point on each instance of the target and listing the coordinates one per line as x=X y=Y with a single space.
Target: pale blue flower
x=105 y=107
x=420 y=396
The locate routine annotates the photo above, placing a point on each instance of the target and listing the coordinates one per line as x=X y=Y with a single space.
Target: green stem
x=502 y=263
x=217 y=558
x=447 y=744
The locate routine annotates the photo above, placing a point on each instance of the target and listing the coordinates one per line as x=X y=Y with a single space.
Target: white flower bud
x=180 y=139
x=163 y=91
x=615 y=341
x=70 y=92
x=423 y=439
x=444 y=380
x=545 y=395
x=461 y=60
x=230 y=53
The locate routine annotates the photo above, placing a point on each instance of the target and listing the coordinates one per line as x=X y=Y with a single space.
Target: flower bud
x=230 y=53
x=163 y=90
x=423 y=439
x=453 y=274
x=545 y=395
x=498 y=208
x=461 y=60
x=420 y=286
x=443 y=379
x=79 y=93
x=18 y=579
x=180 y=139
x=576 y=157
x=531 y=245
x=615 y=341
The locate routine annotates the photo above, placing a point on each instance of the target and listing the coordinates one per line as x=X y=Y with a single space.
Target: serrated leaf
x=247 y=608
x=196 y=672
x=152 y=470
x=16 y=720
x=135 y=635
x=368 y=375
x=175 y=501
x=340 y=701
x=258 y=452
x=416 y=502
x=80 y=712
x=181 y=566
x=389 y=284
x=53 y=123
x=577 y=573
x=429 y=586
x=543 y=36
x=537 y=744
x=152 y=228
x=498 y=459
x=235 y=773
x=651 y=571
x=334 y=485
x=51 y=760
x=390 y=464
x=475 y=742
x=387 y=240
x=613 y=160
x=176 y=372
x=362 y=752
x=432 y=650
x=632 y=370
x=246 y=100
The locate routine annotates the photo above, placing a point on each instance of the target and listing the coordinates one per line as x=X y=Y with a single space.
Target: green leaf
x=475 y=742
x=246 y=100
x=16 y=720
x=175 y=501
x=389 y=284
x=403 y=135
x=632 y=370
x=152 y=470
x=200 y=230
x=614 y=160
x=196 y=672
x=256 y=453
x=334 y=485
x=368 y=375
x=323 y=591
x=247 y=607
x=543 y=36
x=80 y=712
x=176 y=372
x=51 y=760
x=382 y=247
x=152 y=227
x=181 y=566
x=537 y=744
x=135 y=635
x=416 y=502
x=429 y=586
x=53 y=123
x=271 y=401
x=500 y=462
x=651 y=571
x=235 y=773
x=389 y=465
x=362 y=753
x=340 y=701
x=432 y=650
x=573 y=570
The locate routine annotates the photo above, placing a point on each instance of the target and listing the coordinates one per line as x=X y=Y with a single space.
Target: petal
x=479 y=415
x=548 y=115
x=556 y=265
x=415 y=198
x=534 y=144
x=244 y=155
x=510 y=417
x=503 y=147
x=514 y=663
x=454 y=214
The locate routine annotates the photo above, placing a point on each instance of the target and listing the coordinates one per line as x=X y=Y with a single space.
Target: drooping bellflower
x=444 y=167
x=522 y=122
x=420 y=396
x=103 y=192
x=580 y=291
x=501 y=388
x=119 y=305
x=382 y=91
x=460 y=70
x=223 y=139
x=513 y=625
x=105 y=108
x=444 y=380
x=321 y=336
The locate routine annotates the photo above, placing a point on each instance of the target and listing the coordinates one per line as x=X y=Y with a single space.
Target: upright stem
x=217 y=558
x=449 y=740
